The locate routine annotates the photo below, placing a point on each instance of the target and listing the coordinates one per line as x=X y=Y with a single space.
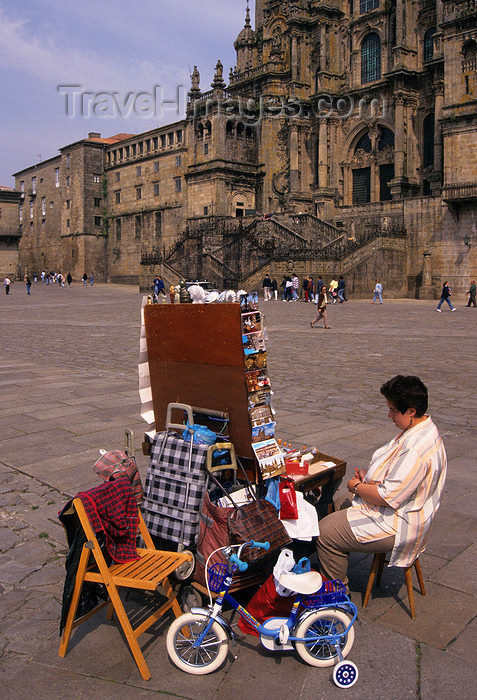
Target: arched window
x=240 y=129
x=229 y=128
x=208 y=128
x=364 y=144
x=386 y=138
x=249 y=132
x=429 y=44
x=370 y=58
x=469 y=65
x=469 y=49
x=372 y=166
x=200 y=130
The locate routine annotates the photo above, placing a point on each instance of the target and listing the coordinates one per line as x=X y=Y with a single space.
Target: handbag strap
x=248 y=486
x=224 y=491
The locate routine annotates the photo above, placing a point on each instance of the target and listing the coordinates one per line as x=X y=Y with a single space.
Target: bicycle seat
x=307 y=583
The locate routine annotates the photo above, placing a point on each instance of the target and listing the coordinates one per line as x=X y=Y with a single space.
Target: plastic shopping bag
x=285 y=564
x=288 y=505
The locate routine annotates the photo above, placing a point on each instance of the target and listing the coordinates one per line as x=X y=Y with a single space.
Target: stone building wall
x=9 y=233
x=40 y=245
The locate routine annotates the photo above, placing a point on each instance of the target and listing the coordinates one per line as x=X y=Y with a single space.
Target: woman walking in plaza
x=322 y=301
x=378 y=290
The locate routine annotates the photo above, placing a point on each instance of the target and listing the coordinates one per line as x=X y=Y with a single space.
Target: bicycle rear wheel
x=320 y=652
x=201 y=660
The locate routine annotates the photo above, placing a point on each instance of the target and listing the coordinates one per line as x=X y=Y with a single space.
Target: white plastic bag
x=285 y=564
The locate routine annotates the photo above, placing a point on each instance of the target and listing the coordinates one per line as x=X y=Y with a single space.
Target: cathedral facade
x=343 y=141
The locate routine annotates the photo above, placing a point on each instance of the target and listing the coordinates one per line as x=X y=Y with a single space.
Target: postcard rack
x=196 y=356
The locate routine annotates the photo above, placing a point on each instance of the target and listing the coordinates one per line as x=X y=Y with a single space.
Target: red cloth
x=112 y=508
x=267 y=603
x=264 y=604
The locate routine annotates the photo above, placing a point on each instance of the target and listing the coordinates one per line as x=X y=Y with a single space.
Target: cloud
x=43 y=59
x=110 y=46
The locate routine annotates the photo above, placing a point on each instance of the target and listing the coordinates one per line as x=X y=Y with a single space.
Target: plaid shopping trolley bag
x=174 y=488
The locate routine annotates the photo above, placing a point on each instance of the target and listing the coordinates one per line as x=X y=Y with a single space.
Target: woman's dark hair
x=406 y=392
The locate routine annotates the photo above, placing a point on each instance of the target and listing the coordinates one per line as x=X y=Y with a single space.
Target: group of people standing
x=290 y=289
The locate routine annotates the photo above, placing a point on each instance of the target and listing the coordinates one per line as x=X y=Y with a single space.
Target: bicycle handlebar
x=242 y=565
x=260 y=545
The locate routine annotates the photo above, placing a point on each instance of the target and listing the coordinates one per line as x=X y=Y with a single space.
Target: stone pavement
x=68 y=386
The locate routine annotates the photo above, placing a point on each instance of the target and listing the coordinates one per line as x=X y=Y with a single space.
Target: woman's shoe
x=311 y=325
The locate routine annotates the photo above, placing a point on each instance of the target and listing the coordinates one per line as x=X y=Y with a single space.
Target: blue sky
x=102 y=46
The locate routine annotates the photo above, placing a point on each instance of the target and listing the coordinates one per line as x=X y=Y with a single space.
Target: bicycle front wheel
x=323 y=623
x=201 y=660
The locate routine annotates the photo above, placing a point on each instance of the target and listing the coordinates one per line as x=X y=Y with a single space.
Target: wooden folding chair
x=146 y=573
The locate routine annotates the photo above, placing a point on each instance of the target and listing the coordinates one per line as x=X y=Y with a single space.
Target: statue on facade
x=218 y=81
x=195 y=79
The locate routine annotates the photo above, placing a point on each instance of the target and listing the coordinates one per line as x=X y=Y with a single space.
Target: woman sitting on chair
x=395 y=499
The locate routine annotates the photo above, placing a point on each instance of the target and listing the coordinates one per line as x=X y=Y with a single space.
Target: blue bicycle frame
x=224 y=597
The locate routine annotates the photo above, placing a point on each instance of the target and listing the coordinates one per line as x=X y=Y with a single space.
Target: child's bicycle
x=318 y=628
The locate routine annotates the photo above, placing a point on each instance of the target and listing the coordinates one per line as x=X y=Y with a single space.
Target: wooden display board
x=196 y=357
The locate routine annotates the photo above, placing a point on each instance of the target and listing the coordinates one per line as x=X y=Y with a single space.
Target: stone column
x=438 y=152
x=323 y=155
x=399 y=153
x=294 y=57
x=426 y=291
x=294 y=158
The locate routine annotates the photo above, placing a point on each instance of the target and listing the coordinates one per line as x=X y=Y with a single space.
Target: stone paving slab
x=62 y=407
x=40 y=683
x=444 y=675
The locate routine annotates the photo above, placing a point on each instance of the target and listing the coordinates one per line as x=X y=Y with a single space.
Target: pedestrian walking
x=69 y=279
x=341 y=289
x=322 y=301
x=378 y=290
x=28 y=284
x=274 y=289
x=311 y=289
x=332 y=289
x=445 y=296
x=283 y=285
x=6 y=284
x=91 y=279
x=85 y=279
x=288 y=289
x=471 y=293
x=266 y=286
x=295 y=287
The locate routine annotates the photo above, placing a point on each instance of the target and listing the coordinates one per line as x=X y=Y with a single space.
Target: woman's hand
x=366 y=491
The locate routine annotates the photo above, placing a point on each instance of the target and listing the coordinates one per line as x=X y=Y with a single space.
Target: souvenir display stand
x=214 y=356
x=196 y=357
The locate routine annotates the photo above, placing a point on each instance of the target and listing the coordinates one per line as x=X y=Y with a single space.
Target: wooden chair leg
x=171 y=596
x=80 y=574
x=382 y=562
x=410 y=592
x=420 y=578
x=372 y=576
x=130 y=634
x=110 y=611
